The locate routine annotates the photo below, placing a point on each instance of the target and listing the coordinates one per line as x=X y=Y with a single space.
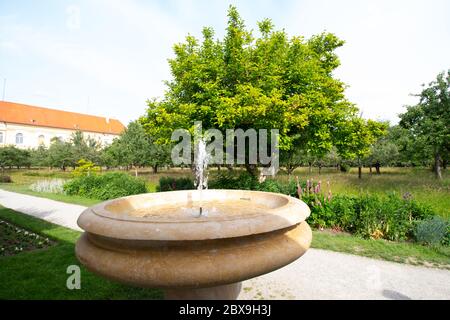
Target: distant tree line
x=132 y=149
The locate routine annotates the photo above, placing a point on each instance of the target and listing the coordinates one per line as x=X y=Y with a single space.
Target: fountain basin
x=160 y=240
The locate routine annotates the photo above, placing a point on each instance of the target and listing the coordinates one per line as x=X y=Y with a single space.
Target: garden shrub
x=172 y=184
x=433 y=231
x=369 y=216
x=271 y=185
x=85 y=167
x=107 y=186
x=5 y=179
x=234 y=180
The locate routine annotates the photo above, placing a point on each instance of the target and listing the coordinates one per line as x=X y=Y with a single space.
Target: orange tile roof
x=43 y=117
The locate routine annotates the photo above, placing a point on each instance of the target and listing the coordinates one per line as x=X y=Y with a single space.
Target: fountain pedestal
x=159 y=240
x=224 y=292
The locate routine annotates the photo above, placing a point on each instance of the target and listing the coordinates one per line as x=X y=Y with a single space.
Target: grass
x=41 y=274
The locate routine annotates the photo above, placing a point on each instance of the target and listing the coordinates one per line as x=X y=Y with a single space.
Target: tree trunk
x=359 y=172
x=437 y=166
x=155 y=169
x=135 y=171
x=310 y=167
x=377 y=167
x=370 y=169
x=290 y=170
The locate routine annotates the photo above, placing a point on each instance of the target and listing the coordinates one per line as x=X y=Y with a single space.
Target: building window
x=19 y=138
x=1 y=137
x=41 y=139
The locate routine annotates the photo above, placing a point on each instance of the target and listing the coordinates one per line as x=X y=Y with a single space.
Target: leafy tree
x=85 y=147
x=265 y=82
x=428 y=122
x=85 y=167
x=138 y=149
x=10 y=156
x=60 y=154
x=113 y=155
x=39 y=156
x=383 y=152
x=357 y=139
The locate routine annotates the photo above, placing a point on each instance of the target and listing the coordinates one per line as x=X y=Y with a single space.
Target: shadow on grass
x=41 y=274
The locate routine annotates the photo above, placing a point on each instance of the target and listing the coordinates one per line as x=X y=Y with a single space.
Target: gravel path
x=319 y=274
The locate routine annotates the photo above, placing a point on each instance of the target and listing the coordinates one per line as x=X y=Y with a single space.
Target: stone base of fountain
x=155 y=241
x=225 y=292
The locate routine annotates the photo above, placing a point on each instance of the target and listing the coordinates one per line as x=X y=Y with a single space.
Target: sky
x=107 y=57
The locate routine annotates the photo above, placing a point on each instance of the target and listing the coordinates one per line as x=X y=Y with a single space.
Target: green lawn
x=41 y=274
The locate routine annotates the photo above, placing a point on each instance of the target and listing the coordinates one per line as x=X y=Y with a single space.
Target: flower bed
x=14 y=240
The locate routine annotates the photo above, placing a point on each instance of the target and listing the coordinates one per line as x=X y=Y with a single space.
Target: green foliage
x=135 y=148
x=384 y=151
x=358 y=136
x=433 y=231
x=85 y=147
x=85 y=167
x=39 y=156
x=233 y=180
x=10 y=156
x=60 y=154
x=243 y=81
x=428 y=121
x=172 y=184
x=246 y=181
x=105 y=186
x=369 y=216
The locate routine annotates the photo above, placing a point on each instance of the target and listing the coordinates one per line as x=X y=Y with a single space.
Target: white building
x=28 y=126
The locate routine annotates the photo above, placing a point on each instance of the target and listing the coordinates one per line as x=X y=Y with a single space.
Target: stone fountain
x=160 y=240
x=193 y=244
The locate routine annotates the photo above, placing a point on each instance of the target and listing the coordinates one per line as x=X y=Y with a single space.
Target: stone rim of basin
x=112 y=218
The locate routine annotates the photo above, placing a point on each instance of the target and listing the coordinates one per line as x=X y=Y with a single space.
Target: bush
x=106 y=186
x=271 y=185
x=233 y=180
x=369 y=216
x=343 y=167
x=5 y=179
x=433 y=231
x=85 y=167
x=172 y=184
x=48 y=186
